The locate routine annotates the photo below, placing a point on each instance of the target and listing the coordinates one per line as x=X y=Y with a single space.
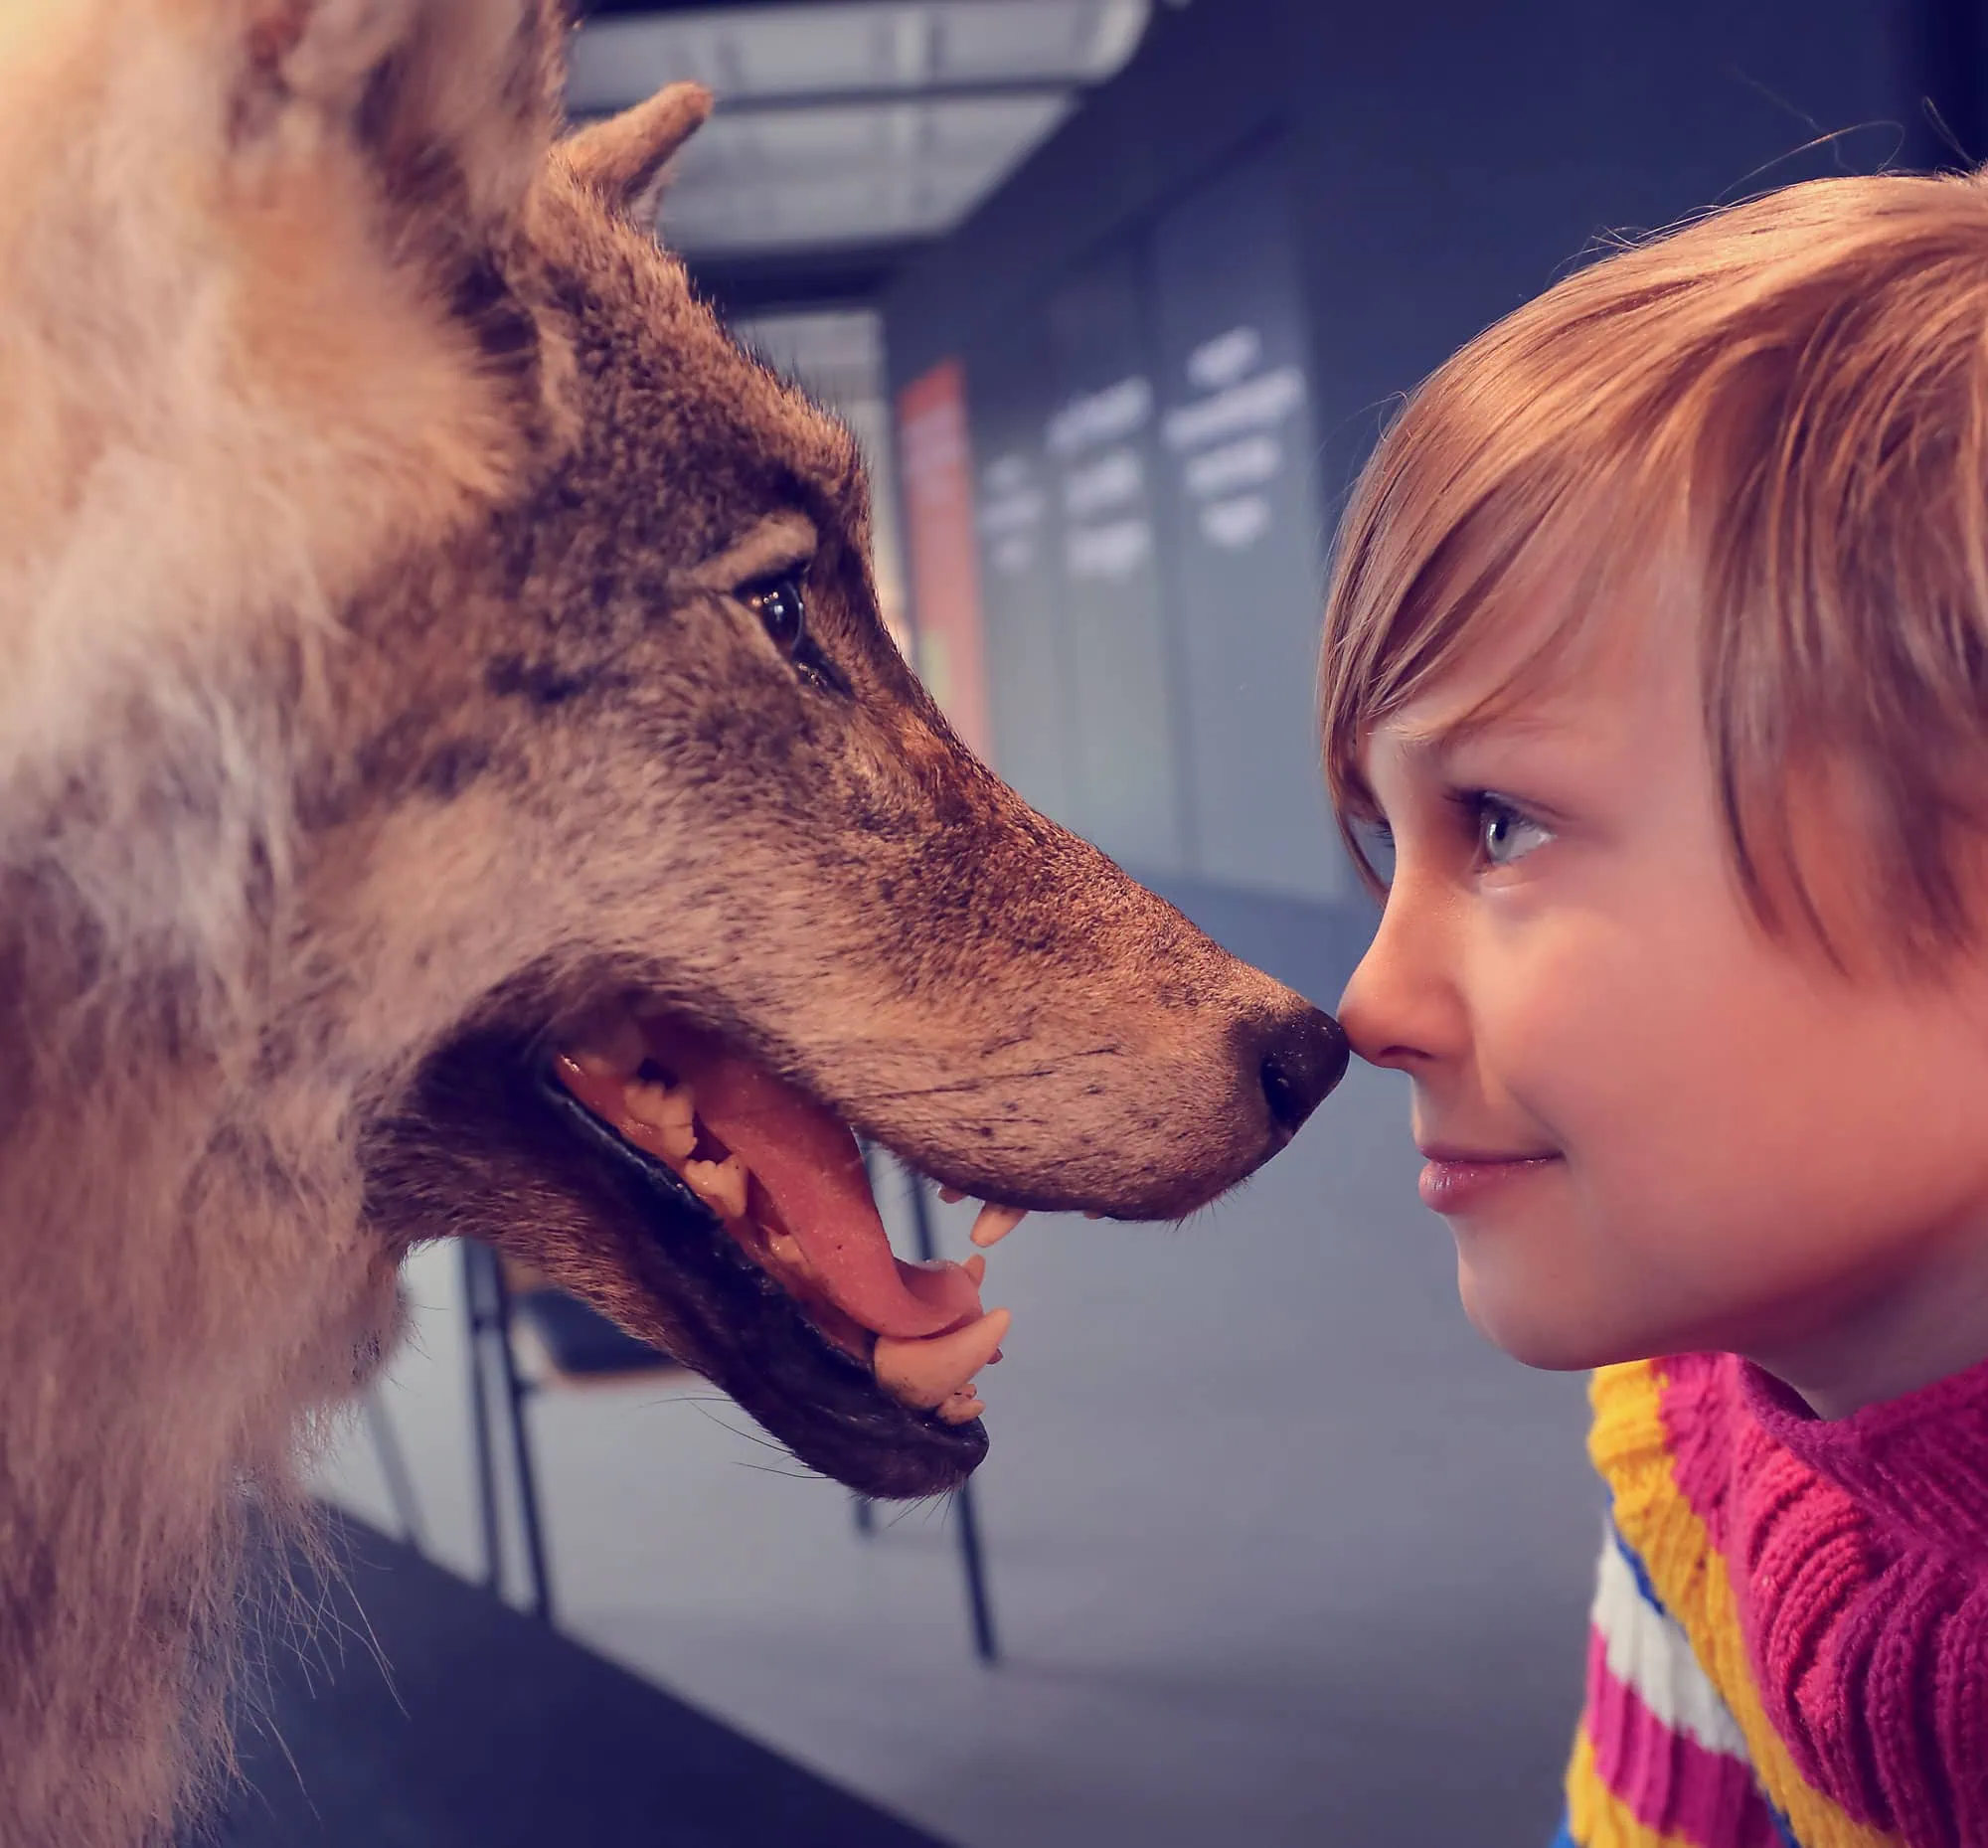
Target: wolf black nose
x=1303 y=1059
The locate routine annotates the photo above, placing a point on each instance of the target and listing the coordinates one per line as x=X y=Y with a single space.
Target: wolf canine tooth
x=928 y=1370
x=993 y=1224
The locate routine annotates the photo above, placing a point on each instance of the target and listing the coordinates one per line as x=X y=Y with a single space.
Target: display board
x=1148 y=530
x=1098 y=441
x=1242 y=520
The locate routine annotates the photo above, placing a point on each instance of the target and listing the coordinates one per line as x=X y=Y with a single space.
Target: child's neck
x=1925 y=1325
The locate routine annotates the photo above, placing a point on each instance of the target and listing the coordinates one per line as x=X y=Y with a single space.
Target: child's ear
x=625 y=159
x=452 y=102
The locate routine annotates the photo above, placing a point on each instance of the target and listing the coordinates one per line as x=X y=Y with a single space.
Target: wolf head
x=438 y=645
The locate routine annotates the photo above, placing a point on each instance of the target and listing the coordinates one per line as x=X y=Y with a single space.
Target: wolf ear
x=455 y=95
x=625 y=159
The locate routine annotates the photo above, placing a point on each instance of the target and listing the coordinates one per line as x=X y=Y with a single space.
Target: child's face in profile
x=1729 y=1145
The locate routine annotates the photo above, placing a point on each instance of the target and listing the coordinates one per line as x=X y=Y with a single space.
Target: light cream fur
x=222 y=401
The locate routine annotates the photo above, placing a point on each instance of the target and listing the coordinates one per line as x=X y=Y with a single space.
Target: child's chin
x=1550 y=1336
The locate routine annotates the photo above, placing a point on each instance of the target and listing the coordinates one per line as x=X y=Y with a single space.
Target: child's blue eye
x=1504 y=833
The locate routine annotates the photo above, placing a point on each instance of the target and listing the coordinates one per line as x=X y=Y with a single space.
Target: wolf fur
x=372 y=700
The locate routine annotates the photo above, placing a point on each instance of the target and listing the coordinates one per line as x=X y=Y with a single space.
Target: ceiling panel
x=944 y=98
x=997 y=41
x=980 y=132
x=821 y=176
x=766 y=52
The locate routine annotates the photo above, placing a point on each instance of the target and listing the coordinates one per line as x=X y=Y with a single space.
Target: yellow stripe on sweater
x=1692 y=1578
x=1598 y=1818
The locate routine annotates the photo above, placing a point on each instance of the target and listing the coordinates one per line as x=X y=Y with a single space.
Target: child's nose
x=1400 y=1009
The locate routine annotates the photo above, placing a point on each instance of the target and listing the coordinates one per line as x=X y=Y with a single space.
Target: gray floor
x=491 y=1731
x=1281 y=1553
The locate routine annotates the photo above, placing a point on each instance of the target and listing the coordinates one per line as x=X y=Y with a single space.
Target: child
x=1657 y=656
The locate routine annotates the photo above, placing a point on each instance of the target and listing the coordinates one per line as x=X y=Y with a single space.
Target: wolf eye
x=781 y=604
x=782 y=608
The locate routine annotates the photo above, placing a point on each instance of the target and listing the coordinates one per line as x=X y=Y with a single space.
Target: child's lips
x=1453 y=1179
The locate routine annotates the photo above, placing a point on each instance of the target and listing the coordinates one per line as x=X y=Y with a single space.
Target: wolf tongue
x=809 y=1163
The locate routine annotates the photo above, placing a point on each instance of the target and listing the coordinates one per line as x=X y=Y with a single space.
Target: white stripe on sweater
x=1648 y=1651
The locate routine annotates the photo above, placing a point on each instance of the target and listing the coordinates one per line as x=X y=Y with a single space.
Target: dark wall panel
x=1009 y=391
x=1101 y=448
x=1241 y=528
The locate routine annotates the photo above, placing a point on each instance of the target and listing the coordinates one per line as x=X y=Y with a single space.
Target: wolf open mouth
x=787 y=1182
x=669 y=1172
x=711 y=1208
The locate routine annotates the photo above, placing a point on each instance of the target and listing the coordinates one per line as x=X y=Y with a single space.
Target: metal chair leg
x=521 y=1448
x=393 y=1466
x=477 y=1316
x=978 y=1607
x=865 y=1509
x=493 y=1368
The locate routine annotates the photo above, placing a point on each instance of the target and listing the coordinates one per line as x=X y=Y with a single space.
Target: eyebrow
x=1438 y=743
x=1430 y=748
x=774 y=542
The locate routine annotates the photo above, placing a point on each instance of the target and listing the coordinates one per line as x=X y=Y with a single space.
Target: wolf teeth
x=668 y=1110
x=934 y=1371
x=993 y=1224
x=721 y=1185
x=931 y=1370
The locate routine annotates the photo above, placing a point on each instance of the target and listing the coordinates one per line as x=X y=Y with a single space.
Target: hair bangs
x=1467 y=521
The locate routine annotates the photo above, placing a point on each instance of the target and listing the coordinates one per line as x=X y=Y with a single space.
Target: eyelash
x=1476 y=806
x=1473 y=808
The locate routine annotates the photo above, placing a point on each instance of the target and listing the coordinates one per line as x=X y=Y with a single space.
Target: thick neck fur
x=182 y=1278
x=220 y=407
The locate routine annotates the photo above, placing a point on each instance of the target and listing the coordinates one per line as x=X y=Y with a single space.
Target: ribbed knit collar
x=1918 y=1463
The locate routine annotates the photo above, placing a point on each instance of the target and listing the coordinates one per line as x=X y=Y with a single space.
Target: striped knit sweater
x=1791 y=1629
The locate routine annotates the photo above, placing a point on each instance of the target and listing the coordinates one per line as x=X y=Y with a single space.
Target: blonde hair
x=1790 y=399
